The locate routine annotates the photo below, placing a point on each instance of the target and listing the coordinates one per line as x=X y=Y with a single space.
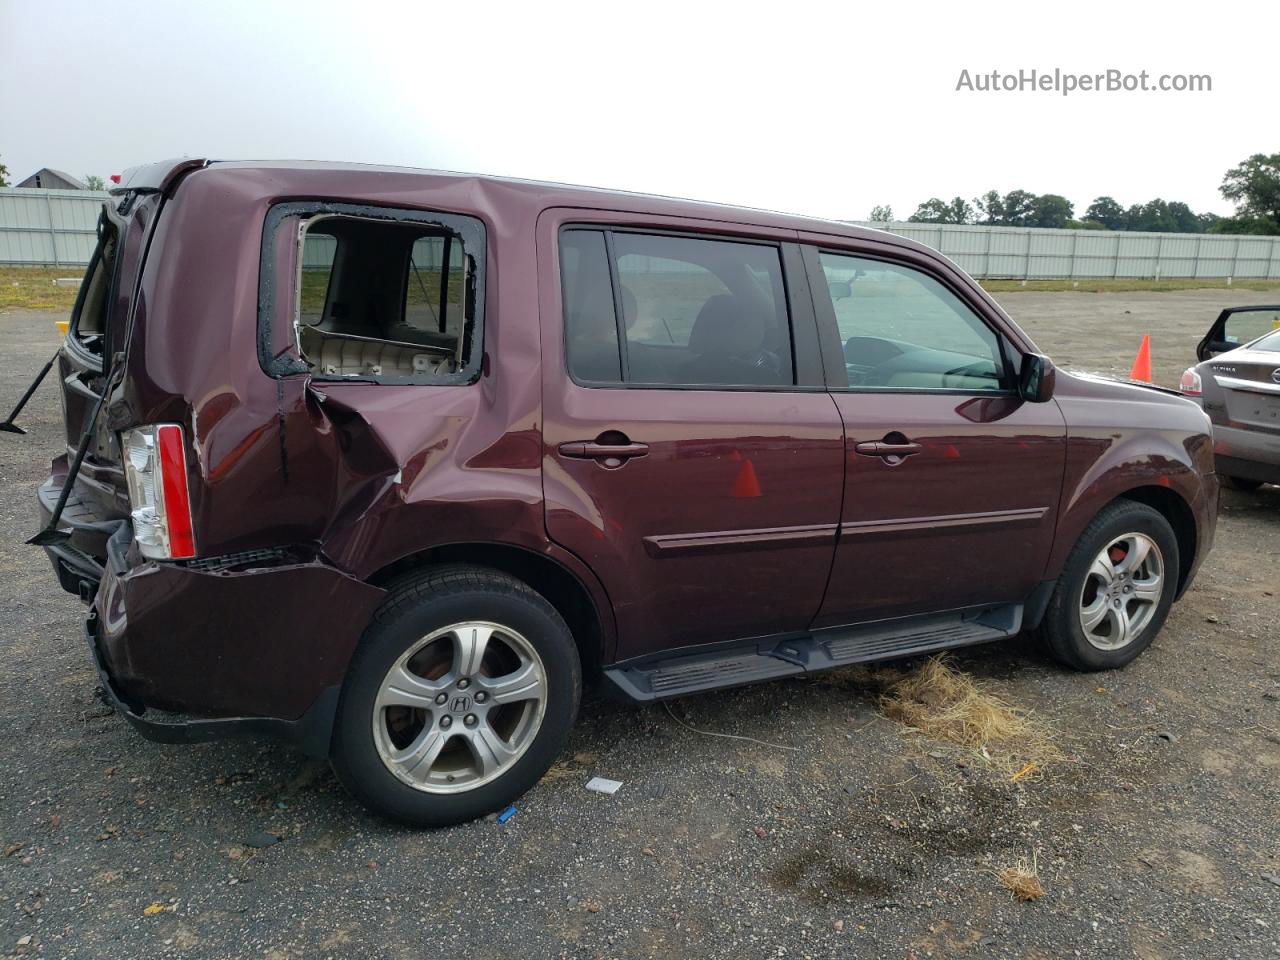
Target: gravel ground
x=1157 y=837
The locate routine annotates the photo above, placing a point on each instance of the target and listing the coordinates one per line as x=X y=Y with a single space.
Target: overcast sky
x=817 y=109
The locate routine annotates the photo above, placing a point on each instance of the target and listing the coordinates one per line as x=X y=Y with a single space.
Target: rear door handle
x=592 y=450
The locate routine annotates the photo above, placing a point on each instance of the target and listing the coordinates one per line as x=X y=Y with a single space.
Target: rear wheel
x=1115 y=590
x=460 y=696
x=1242 y=483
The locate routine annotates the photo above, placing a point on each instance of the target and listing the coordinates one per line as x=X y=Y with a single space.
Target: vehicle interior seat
x=727 y=341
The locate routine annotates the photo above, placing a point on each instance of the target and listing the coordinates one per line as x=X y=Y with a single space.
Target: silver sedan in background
x=1238 y=383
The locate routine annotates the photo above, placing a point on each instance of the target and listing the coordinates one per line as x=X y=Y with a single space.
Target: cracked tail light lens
x=155 y=465
x=1190 y=383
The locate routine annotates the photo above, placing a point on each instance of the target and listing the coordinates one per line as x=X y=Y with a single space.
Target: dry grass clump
x=1022 y=880
x=942 y=702
x=569 y=766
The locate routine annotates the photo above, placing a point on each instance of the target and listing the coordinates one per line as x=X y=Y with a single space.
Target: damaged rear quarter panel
x=421 y=468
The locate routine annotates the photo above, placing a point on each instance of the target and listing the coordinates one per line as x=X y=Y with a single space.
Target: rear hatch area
x=1250 y=385
x=94 y=348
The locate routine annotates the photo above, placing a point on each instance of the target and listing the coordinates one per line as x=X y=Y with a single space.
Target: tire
x=1241 y=483
x=1083 y=589
x=422 y=751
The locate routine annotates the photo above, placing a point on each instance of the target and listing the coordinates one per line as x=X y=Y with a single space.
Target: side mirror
x=840 y=290
x=1036 y=378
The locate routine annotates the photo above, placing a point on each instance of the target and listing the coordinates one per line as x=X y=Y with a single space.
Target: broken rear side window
x=377 y=295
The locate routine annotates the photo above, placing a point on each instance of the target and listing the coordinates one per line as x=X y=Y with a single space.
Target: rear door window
x=1242 y=326
x=650 y=309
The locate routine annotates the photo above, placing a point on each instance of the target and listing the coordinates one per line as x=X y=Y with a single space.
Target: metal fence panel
x=48 y=227
x=57 y=228
x=1030 y=253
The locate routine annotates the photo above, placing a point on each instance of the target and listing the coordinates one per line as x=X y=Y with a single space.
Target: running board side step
x=769 y=658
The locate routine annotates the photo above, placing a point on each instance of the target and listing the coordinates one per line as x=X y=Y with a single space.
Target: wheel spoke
x=489 y=749
x=415 y=760
x=1120 y=621
x=469 y=645
x=1103 y=569
x=1139 y=547
x=1093 y=614
x=524 y=683
x=1149 y=590
x=405 y=689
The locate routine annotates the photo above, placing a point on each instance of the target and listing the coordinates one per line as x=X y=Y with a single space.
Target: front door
x=692 y=455
x=952 y=480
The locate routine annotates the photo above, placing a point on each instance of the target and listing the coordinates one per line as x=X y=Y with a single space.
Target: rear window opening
x=88 y=325
x=375 y=295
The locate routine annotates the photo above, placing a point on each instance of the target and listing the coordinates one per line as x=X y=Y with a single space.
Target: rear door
x=952 y=480
x=692 y=455
x=1236 y=326
x=98 y=331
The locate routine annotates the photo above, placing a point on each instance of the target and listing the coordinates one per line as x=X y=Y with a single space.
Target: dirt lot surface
x=1157 y=835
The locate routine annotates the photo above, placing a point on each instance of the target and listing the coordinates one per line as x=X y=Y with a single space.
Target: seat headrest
x=727 y=326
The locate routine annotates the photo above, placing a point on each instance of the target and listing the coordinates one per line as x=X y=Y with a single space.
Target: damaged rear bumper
x=189 y=654
x=249 y=645
x=312 y=731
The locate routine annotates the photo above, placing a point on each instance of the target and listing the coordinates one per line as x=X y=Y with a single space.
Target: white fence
x=56 y=228
x=1035 y=254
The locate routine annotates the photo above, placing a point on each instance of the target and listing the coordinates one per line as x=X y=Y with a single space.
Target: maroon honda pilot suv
x=391 y=462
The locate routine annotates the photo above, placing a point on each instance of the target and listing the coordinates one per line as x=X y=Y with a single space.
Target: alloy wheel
x=1122 y=591
x=460 y=707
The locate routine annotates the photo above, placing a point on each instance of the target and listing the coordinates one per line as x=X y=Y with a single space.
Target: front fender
x=1122 y=439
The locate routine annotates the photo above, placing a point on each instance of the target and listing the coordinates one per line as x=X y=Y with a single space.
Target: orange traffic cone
x=746 y=485
x=1142 y=363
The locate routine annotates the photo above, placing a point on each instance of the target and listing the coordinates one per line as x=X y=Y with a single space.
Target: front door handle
x=610 y=454
x=892 y=450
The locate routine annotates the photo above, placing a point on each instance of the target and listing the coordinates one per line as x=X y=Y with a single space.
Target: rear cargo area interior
x=380 y=298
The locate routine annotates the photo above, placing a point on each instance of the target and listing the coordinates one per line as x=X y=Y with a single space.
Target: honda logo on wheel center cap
x=460 y=704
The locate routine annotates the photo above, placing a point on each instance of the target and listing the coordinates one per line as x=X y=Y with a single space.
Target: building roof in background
x=50 y=179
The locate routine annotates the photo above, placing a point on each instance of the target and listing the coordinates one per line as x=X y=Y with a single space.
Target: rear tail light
x=155 y=464
x=1190 y=383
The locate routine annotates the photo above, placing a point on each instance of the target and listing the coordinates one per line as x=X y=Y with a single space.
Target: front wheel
x=1115 y=590
x=461 y=695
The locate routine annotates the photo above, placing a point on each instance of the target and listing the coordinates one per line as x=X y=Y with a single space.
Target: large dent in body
x=419 y=466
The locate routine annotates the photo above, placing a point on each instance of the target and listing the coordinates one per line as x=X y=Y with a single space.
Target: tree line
x=1253 y=186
